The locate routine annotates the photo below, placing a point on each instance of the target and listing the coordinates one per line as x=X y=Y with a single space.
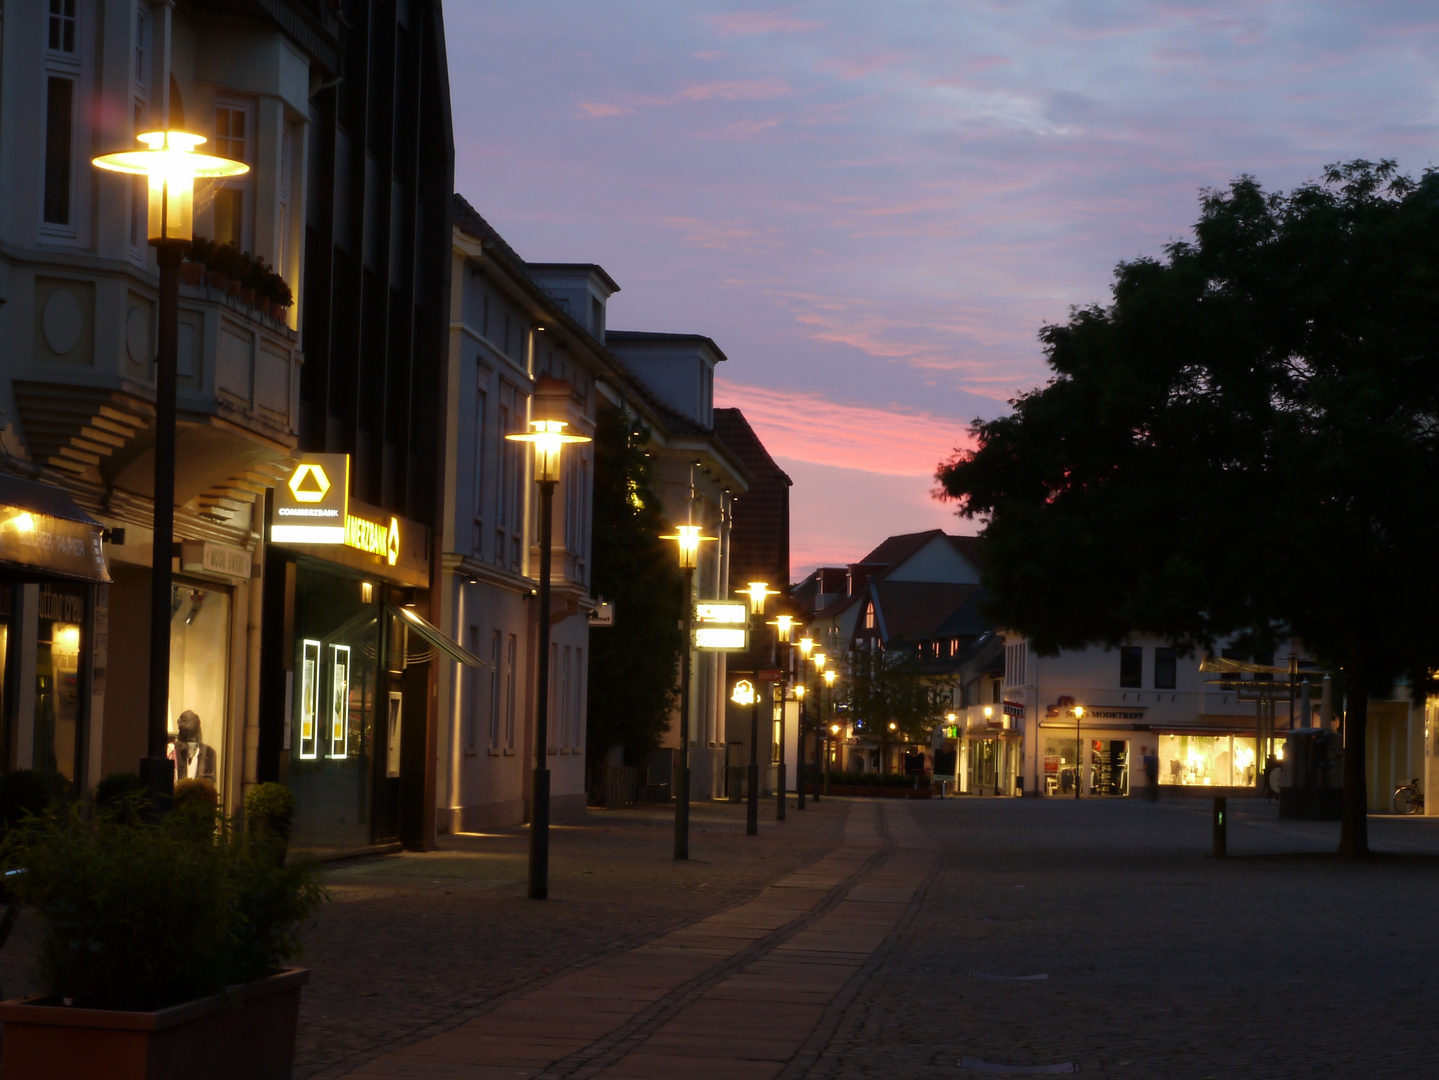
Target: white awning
x=435 y=636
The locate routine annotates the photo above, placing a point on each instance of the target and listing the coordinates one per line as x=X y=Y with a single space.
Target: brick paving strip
x=751 y=991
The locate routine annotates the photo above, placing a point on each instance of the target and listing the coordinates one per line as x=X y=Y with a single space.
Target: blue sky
x=873 y=208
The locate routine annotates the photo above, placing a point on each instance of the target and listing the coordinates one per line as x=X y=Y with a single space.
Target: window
x=286 y=185
x=869 y=617
x=1166 y=669
x=231 y=141
x=510 y=658
x=472 y=696
x=142 y=40
x=1131 y=666
x=996 y=696
x=495 y=676
x=139 y=193
x=59 y=144
x=1014 y=656
x=482 y=410
x=576 y=740
x=62 y=26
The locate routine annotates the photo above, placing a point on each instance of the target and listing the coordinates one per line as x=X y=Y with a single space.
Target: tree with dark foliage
x=1246 y=440
x=634 y=664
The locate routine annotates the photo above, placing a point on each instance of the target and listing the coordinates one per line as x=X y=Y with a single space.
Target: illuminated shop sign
x=313 y=507
x=722 y=613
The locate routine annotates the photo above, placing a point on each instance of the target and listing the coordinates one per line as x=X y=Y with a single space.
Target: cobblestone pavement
x=413 y=944
x=1158 y=961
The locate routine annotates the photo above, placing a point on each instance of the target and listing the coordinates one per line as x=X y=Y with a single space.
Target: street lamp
x=1078 y=751
x=829 y=677
x=806 y=646
x=170 y=165
x=549 y=438
x=783 y=625
x=818 y=660
x=756 y=591
x=688 y=537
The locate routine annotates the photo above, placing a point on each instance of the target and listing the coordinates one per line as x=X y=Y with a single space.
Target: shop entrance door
x=1109 y=767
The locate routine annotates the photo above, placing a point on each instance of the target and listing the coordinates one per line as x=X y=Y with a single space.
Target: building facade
x=516 y=352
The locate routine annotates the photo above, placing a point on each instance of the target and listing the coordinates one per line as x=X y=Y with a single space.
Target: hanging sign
x=721 y=638
x=715 y=612
x=312 y=505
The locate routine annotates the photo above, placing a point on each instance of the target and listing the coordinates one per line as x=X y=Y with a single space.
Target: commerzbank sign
x=313 y=507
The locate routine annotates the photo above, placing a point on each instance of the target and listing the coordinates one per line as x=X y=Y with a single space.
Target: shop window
x=1206 y=760
x=1109 y=767
x=1061 y=765
x=1131 y=666
x=57 y=685
x=1166 y=669
x=199 y=679
x=339 y=651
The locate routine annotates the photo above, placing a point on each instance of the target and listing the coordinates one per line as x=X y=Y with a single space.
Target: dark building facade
x=350 y=712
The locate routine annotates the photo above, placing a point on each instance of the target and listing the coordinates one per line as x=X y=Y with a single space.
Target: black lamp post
x=689 y=537
x=170 y=165
x=783 y=624
x=801 y=689
x=549 y=438
x=756 y=591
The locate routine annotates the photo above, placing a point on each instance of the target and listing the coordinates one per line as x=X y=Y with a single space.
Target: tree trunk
x=1354 y=824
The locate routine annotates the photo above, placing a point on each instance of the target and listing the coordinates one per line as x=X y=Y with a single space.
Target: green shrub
x=270 y=802
x=22 y=792
x=140 y=914
x=195 y=791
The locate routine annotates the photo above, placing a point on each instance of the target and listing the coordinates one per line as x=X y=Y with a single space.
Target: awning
x=42 y=529
x=435 y=636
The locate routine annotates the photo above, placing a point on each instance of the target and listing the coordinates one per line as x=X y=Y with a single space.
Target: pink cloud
x=735 y=90
x=809 y=427
x=598 y=110
x=761 y=22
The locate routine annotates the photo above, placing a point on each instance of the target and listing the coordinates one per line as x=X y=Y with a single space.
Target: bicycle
x=1408 y=799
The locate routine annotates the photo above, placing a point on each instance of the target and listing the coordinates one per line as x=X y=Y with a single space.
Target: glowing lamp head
x=989 y=712
x=549 y=438
x=951 y=717
x=806 y=646
x=757 y=591
x=783 y=624
x=829 y=677
x=171 y=166
x=1079 y=712
x=893 y=726
x=689 y=537
x=799 y=691
x=834 y=729
x=819 y=661
x=743 y=693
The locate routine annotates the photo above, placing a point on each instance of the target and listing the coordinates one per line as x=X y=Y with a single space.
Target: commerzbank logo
x=309 y=484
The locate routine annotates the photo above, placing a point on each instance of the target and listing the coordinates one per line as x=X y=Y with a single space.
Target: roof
x=655 y=337
x=590 y=268
x=896 y=549
x=912 y=610
x=759 y=536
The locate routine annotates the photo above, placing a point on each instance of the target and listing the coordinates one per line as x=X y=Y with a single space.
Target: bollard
x=1221 y=827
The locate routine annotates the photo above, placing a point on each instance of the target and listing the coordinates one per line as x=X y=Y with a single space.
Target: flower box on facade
x=245 y=1033
x=866 y=792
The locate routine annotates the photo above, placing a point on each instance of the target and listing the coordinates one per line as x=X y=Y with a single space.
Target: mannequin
x=193 y=759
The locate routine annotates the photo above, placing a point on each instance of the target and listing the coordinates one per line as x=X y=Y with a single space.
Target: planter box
x=870 y=793
x=246 y=1033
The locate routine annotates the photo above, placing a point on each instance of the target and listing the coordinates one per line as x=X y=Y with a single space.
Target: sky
x=873 y=208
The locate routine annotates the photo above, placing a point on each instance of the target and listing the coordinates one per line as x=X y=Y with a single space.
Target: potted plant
x=269 y=810
x=164 y=946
